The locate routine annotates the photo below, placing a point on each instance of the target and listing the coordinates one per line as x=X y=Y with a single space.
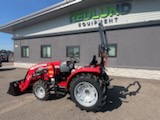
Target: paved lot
x=130 y=99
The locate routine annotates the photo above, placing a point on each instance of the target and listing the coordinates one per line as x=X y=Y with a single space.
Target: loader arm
x=18 y=87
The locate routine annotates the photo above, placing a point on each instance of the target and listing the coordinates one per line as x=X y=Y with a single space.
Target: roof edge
x=39 y=13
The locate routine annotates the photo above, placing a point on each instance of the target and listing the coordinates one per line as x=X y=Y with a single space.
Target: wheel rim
x=86 y=94
x=39 y=91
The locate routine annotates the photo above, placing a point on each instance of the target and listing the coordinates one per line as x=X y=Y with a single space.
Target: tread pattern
x=46 y=88
x=97 y=83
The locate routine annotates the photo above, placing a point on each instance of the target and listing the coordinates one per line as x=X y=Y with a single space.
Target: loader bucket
x=14 y=88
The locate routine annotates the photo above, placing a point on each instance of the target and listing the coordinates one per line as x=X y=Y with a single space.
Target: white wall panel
x=142 y=11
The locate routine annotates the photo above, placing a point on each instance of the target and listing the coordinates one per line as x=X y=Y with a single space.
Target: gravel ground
x=129 y=99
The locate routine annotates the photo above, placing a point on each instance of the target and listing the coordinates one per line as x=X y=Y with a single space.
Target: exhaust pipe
x=14 y=88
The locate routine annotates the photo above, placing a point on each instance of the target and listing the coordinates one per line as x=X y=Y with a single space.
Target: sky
x=11 y=10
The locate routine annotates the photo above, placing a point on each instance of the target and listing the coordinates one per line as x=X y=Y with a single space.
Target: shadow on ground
x=7 y=69
x=51 y=97
x=118 y=94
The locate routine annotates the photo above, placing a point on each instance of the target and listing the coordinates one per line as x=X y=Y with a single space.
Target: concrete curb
x=134 y=73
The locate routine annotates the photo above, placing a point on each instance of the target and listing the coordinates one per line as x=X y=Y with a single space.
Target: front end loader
x=86 y=85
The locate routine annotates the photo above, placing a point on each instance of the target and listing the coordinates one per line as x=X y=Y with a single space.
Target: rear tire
x=88 y=92
x=41 y=90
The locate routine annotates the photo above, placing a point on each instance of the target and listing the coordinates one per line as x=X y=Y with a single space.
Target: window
x=45 y=51
x=73 y=51
x=25 y=51
x=113 y=50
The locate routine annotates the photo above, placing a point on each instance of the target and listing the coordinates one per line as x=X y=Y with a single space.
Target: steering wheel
x=74 y=60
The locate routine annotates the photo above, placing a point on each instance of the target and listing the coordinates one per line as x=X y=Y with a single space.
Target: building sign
x=106 y=14
x=118 y=14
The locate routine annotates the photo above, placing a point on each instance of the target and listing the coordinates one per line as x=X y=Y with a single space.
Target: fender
x=87 y=69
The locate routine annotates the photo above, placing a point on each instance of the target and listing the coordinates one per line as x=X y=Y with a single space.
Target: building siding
x=136 y=47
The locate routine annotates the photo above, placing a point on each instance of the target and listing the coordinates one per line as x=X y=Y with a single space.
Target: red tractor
x=86 y=85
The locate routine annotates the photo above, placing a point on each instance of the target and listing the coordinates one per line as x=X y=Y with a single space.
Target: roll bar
x=103 y=37
x=104 y=49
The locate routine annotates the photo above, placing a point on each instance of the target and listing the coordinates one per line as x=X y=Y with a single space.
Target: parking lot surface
x=129 y=99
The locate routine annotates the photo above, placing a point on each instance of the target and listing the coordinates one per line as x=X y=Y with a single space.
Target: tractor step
x=14 y=88
x=61 y=91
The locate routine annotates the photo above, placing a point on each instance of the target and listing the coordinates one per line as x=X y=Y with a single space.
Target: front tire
x=41 y=90
x=88 y=92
